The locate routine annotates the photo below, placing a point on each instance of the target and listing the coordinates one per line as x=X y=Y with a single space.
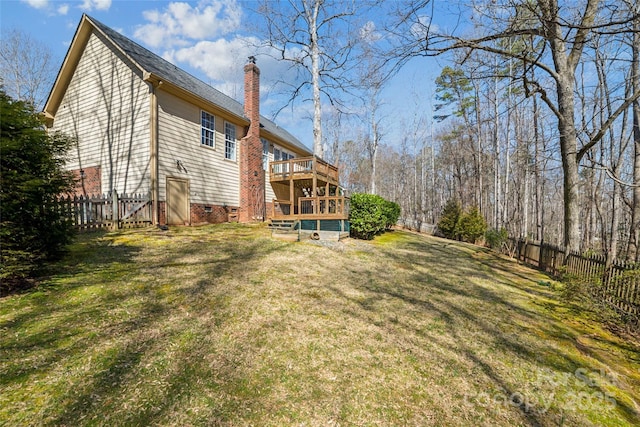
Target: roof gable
x=152 y=65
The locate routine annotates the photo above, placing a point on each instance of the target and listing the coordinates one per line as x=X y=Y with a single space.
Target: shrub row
x=455 y=224
x=371 y=214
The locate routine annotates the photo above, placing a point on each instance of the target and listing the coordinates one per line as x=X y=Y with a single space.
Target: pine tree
x=449 y=221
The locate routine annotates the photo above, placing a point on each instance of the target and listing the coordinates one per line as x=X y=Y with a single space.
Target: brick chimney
x=252 y=203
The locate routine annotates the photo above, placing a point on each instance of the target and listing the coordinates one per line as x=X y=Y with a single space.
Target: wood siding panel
x=106 y=108
x=269 y=194
x=213 y=179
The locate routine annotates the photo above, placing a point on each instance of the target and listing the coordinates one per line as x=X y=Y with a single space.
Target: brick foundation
x=203 y=213
x=211 y=214
x=88 y=181
x=162 y=213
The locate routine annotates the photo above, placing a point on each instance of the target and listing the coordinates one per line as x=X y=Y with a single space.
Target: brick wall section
x=251 y=173
x=162 y=213
x=216 y=214
x=199 y=214
x=88 y=181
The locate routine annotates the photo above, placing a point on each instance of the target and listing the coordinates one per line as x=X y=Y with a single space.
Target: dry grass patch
x=221 y=325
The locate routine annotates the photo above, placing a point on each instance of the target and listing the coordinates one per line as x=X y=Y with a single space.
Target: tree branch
x=594 y=139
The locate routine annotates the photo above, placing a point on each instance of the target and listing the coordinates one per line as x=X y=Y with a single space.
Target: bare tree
x=564 y=32
x=371 y=82
x=633 y=252
x=315 y=37
x=27 y=67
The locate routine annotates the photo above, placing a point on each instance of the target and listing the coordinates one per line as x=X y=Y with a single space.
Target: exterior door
x=178 y=201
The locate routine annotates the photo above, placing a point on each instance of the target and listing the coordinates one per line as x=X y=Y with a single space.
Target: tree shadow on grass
x=468 y=301
x=105 y=315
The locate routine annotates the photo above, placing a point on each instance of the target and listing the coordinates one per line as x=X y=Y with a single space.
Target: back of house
x=143 y=125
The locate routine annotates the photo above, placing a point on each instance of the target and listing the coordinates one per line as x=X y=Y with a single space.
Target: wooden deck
x=307 y=188
x=330 y=207
x=303 y=168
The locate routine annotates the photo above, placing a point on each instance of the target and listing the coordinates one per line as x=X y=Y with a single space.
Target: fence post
x=116 y=208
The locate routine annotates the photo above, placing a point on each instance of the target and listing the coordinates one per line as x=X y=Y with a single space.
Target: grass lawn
x=221 y=325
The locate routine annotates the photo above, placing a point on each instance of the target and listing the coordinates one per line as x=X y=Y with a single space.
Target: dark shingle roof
x=162 y=68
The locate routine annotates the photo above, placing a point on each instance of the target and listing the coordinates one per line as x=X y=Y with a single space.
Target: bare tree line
x=539 y=112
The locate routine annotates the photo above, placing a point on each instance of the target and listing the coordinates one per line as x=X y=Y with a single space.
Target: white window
x=229 y=141
x=208 y=129
x=280 y=154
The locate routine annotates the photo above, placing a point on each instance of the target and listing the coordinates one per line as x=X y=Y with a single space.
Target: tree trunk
x=497 y=184
x=565 y=64
x=569 y=147
x=633 y=251
x=615 y=221
x=315 y=78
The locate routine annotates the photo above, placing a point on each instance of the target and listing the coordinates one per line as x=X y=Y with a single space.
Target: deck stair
x=288 y=229
x=284 y=224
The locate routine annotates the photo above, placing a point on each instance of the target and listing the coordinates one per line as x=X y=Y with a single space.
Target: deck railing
x=281 y=208
x=302 y=167
x=325 y=207
x=332 y=205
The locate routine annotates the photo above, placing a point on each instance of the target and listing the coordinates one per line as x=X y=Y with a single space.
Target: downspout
x=153 y=149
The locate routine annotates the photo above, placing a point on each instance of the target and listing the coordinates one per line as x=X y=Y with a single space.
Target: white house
x=144 y=125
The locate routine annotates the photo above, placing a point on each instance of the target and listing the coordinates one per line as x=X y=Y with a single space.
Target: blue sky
x=208 y=39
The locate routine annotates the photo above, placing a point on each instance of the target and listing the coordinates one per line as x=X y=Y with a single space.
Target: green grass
x=221 y=325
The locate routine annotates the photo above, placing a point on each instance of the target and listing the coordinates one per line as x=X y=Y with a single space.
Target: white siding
x=269 y=194
x=106 y=107
x=212 y=178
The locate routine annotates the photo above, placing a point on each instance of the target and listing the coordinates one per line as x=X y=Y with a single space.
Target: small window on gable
x=208 y=124
x=229 y=141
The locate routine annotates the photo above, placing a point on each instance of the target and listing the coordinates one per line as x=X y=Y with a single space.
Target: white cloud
x=89 y=5
x=37 y=4
x=63 y=9
x=204 y=39
x=422 y=27
x=368 y=32
x=222 y=62
x=180 y=22
x=52 y=8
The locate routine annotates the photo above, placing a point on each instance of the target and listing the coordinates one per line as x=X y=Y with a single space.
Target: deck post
x=115 y=210
x=315 y=177
x=292 y=191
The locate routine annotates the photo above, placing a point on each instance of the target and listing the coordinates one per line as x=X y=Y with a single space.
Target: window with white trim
x=229 y=141
x=208 y=124
x=281 y=154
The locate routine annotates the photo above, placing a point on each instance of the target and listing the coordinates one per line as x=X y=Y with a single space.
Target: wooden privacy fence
x=112 y=211
x=618 y=284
